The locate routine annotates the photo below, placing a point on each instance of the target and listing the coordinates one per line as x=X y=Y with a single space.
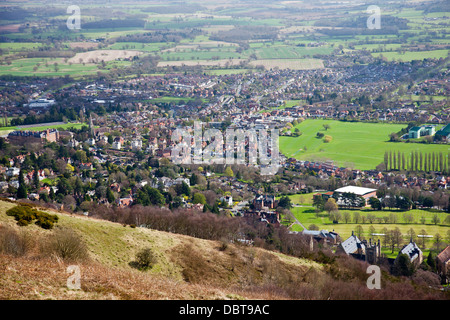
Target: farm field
x=412 y=55
x=293 y=64
x=44 y=126
x=300 y=44
x=354 y=144
x=210 y=63
x=45 y=67
x=105 y=55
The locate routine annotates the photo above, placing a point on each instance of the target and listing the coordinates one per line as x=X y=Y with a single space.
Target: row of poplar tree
x=417 y=161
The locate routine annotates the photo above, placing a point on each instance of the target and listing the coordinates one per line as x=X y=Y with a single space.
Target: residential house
x=443 y=134
x=323 y=236
x=228 y=200
x=13 y=171
x=124 y=202
x=417 y=132
x=352 y=246
x=413 y=252
x=443 y=264
x=265 y=202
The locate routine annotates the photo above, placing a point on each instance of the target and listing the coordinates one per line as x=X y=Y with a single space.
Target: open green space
x=412 y=55
x=46 y=67
x=64 y=126
x=354 y=144
x=308 y=216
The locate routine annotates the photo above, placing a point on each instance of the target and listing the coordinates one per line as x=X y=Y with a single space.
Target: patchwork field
x=213 y=63
x=354 y=144
x=294 y=64
x=46 y=67
x=105 y=55
x=413 y=55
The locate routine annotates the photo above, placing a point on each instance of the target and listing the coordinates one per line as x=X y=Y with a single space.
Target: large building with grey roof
x=413 y=252
x=360 y=249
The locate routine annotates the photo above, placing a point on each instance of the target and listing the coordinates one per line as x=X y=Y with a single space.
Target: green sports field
x=354 y=144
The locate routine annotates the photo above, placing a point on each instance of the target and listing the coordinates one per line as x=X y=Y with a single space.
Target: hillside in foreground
x=186 y=268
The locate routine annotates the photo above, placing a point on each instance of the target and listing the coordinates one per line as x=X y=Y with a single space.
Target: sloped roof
x=445 y=130
x=444 y=256
x=352 y=244
x=412 y=250
x=415 y=129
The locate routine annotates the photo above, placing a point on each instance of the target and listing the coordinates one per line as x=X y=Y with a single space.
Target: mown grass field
x=354 y=144
x=46 y=67
x=64 y=126
x=412 y=55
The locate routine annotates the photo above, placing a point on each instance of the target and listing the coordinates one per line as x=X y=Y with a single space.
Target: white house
x=117 y=145
x=13 y=171
x=228 y=200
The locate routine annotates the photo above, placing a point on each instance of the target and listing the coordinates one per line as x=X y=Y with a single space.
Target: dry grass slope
x=187 y=268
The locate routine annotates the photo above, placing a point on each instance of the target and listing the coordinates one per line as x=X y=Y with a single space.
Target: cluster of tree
x=416 y=196
x=349 y=199
x=24 y=214
x=114 y=23
x=246 y=33
x=55 y=114
x=51 y=54
x=400 y=202
x=361 y=22
x=417 y=161
x=438 y=6
x=185 y=8
x=213 y=227
x=160 y=36
x=15 y=13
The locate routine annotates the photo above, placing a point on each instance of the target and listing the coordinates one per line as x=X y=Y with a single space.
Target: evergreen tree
x=433 y=162
x=403 y=266
x=425 y=163
x=394 y=164
x=411 y=164
x=416 y=161
x=22 y=192
x=215 y=208
x=110 y=195
x=36 y=179
x=403 y=161
x=429 y=162
x=185 y=189
x=386 y=160
x=193 y=180
x=390 y=160
x=420 y=161
x=431 y=261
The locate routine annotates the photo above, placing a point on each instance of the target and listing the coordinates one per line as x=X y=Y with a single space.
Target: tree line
x=417 y=161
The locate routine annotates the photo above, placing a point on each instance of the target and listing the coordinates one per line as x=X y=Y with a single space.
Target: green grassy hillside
x=186 y=268
x=355 y=144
